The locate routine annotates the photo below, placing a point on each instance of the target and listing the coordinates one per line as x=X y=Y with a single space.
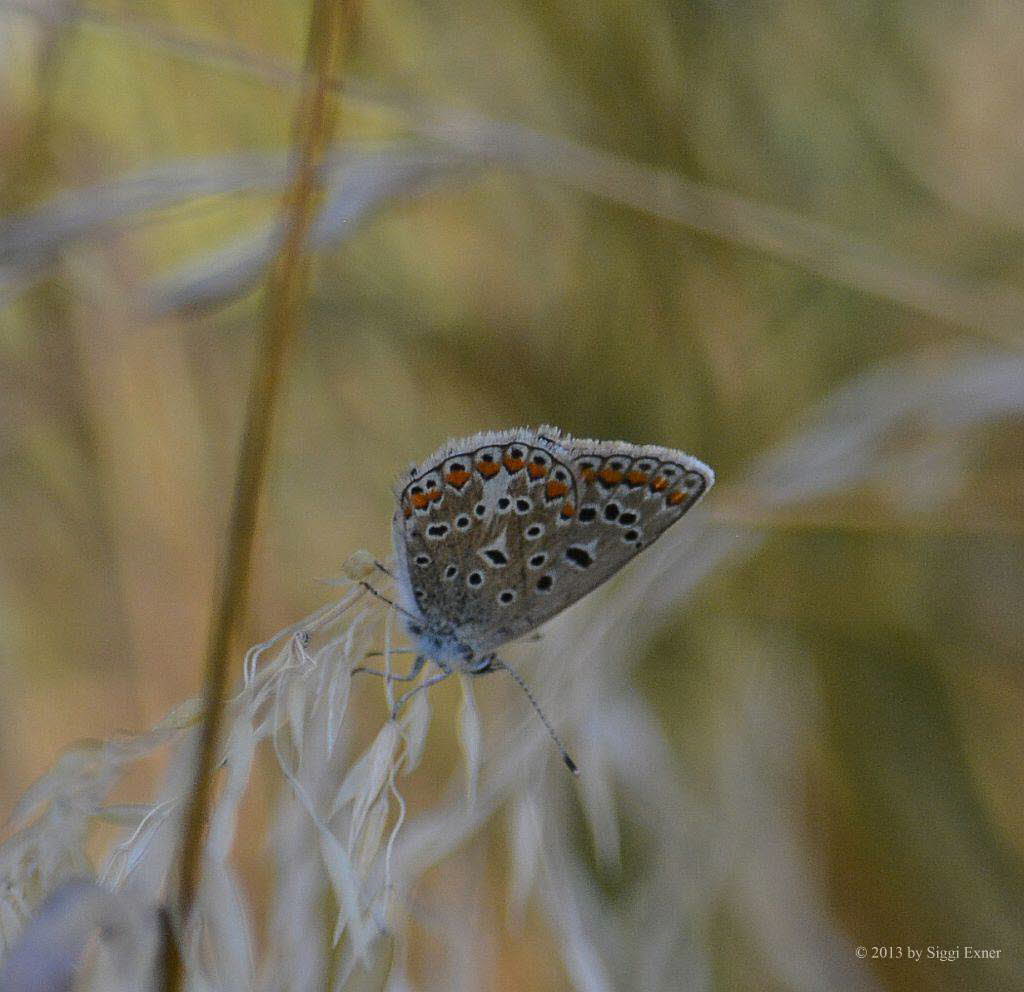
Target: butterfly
x=496 y=533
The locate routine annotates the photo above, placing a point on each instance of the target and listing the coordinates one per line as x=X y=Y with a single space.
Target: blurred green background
x=478 y=296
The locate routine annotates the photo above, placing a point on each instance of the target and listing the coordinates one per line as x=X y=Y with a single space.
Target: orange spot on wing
x=420 y=500
x=434 y=495
x=513 y=464
x=487 y=469
x=610 y=476
x=457 y=479
x=554 y=489
x=659 y=484
x=674 y=499
x=637 y=478
x=589 y=474
x=568 y=510
x=537 y=471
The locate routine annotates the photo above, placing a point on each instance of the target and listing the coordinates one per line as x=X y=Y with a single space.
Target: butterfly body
x=496 y=533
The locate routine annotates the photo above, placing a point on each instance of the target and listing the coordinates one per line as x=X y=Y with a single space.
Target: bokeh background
x=721 y=227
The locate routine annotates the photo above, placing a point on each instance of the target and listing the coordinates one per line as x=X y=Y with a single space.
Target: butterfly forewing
x=628 y=496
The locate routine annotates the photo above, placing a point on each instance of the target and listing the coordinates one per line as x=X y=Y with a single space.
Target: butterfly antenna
x=384 y=569
x=569 y=763
x=384 y=599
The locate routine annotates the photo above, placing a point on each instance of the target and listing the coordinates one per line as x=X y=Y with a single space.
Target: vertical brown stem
x=314 y=122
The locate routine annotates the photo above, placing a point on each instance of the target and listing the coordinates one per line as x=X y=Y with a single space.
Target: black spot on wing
x=580 y=557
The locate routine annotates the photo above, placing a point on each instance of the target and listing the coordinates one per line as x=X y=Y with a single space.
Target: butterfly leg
x=417 y=667
x=481 y=666
x=426 y=683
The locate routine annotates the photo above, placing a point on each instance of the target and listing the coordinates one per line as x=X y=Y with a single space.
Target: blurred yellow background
x=875 y=155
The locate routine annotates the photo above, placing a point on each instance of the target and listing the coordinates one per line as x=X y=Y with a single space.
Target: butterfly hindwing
x=466 y=530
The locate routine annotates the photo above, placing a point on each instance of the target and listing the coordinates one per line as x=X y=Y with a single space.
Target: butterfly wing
x=499 y=532
x=629 y=495
x=467 y=521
